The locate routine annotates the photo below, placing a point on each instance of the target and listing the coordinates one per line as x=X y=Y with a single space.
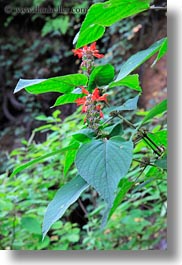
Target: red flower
x=100 y=112
x=95 y=96
x=88 y=51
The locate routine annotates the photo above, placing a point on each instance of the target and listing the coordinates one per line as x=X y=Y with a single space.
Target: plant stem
x=110 y=119
x=144 y=136
x=148 y=138
x=144 y=163
x=82 y=207
x=126 y=121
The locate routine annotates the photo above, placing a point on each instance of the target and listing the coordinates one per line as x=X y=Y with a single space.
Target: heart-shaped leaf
x=102 y=163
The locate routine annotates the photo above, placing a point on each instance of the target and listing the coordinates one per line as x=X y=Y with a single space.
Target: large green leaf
x=64 y=197
x=131 y=81
x=100 y=76
x=158 y=109
x=102 y=163
x=101 y=15
x=62 y=84
x=139 y=58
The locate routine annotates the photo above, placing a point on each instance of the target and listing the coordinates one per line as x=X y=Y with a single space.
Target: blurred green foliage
x=138 y=223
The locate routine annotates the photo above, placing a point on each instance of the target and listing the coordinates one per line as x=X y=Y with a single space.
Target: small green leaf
x=64 y=197
x=131 y=81
x=137 y=59
x=113 y=130
x=102 y=163
x=158 y=109
x=100 y=76
x=62 y=84
x=83 y=135
x=67 y=98
x=162 y=162
x=31 y=224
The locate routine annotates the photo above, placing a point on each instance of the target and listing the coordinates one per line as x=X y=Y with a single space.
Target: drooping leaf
x=67 y=98
x=156 y=110
x=130 y=104
x=101 y=15
x=62 y=84
x=64 y=197
x=100 y=76
x=137 y=59
x=131 y=81
x=39 y=159
x=102 y=163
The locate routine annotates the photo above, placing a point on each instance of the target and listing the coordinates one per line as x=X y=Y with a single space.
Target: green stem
x=110 y=119
x=148 y=138
x=149 y=144
x=144 y=163
x=126 y=121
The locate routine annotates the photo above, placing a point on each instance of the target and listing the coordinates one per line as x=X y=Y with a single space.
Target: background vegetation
x=39 y=46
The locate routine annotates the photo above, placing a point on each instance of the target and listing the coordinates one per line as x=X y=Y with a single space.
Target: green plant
x=109 y=147
x=24 y=198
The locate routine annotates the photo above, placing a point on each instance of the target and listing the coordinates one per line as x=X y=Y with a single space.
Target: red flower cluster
x=94 y=97
x=88 y=51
